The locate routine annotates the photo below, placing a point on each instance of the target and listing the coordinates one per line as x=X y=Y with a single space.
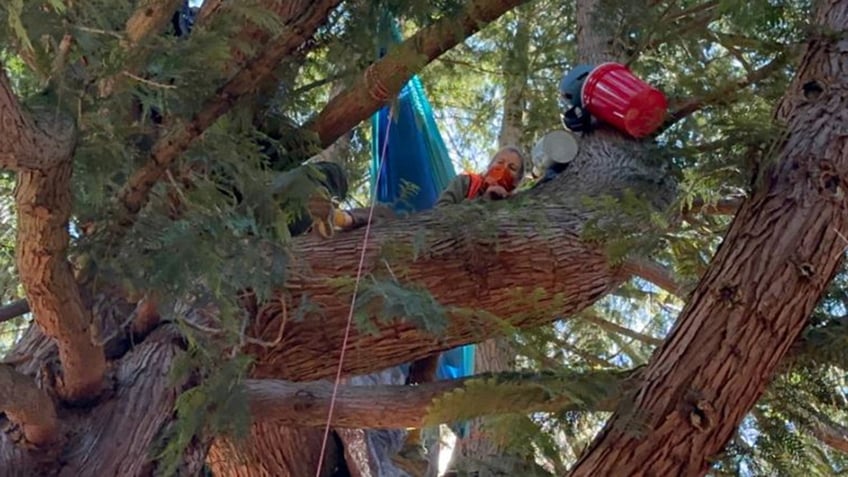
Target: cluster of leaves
x=217 y=406
x=391 y=300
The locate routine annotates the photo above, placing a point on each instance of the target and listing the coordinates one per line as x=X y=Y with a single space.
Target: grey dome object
x=555 y=147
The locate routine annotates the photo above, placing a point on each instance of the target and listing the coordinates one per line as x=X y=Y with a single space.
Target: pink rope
x=353 y=301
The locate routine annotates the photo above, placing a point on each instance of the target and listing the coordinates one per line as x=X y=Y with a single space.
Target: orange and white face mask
x=501 y=175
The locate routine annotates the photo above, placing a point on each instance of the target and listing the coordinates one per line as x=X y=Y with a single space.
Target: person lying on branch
x=503 y=175
x=323 y=217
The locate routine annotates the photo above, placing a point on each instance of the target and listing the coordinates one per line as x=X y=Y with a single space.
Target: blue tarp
x=414 y=155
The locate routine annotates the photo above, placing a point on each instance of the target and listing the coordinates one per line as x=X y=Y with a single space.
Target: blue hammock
x=415 y=155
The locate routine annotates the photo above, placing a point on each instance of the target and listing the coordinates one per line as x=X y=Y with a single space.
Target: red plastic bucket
x=613 y=95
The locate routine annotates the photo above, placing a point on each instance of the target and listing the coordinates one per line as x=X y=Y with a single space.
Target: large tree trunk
x=780 y=253
x=275 y=450
x=117 y=434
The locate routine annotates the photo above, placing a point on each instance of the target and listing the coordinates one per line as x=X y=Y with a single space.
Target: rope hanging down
x=352 y=303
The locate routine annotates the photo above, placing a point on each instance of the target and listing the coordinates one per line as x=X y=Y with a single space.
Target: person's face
x=510 y=161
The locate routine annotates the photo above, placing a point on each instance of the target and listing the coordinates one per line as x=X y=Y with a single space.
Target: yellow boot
x=342 y=220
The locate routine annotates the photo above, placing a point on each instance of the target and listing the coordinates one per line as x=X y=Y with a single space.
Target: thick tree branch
x=833 y=437
x=781 y=251
x=25 y=143
x=208 y=9
x=41 y=149
x=151 y=16
x=516 y=263
x=654 y=273
x=385 y=78
x=387 y=407
x=724 y=93
x=44 y=204
x=489 y=283
x=28 y=407
x=616 y=328
x=134 y=195
x=830 y=433
x=725 y=206
x=13 y=310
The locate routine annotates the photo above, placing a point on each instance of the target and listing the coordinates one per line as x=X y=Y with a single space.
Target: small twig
x=616 y=328
x=147 y=81
x=392 y=273
x=469 y=65
x=284 y=320
x=62 y=54
x=725 y=206
x=243 y=336
x=176 y=186
x=839 y=234
x=654 y=273
x=724 y=93
x=203 y=328
x=98 y=31
x=321 y=82
x=588 y=357
x=118 y=330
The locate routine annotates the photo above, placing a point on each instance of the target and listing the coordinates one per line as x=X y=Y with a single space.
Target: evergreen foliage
x=199 y=244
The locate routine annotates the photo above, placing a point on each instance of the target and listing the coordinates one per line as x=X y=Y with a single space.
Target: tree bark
x=781 y=251
x=272 y=449
x=44 y=204
x=571 y=273
x=27 y=407
x=385 y=406
x=117 y=435
x=40 y=148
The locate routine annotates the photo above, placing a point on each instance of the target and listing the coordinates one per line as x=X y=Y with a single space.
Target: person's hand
x=496 y=192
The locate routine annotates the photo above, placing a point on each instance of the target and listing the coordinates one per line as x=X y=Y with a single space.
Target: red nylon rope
x=353 y=300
